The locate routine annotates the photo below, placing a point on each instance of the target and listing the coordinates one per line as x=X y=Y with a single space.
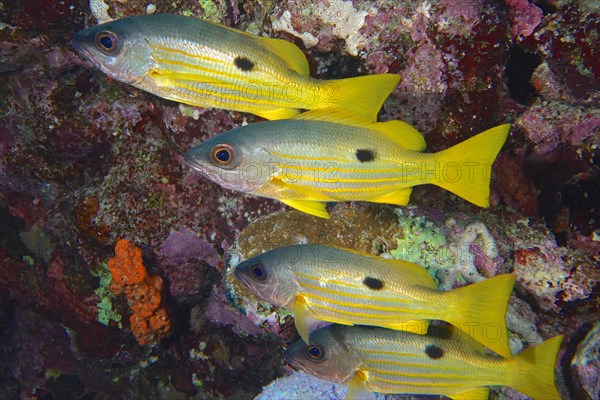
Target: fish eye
x=315 y=353
x=107 y=42
x=258 y=272
x=223 y=155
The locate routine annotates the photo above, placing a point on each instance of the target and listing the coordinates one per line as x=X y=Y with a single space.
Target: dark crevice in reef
x=519 y=68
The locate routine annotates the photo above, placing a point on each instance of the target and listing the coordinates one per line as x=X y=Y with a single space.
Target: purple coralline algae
x=86 y=161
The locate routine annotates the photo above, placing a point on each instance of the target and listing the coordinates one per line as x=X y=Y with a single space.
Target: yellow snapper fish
x=335 y=155
x=204 y=64
x=323 y=283
x=380 y=360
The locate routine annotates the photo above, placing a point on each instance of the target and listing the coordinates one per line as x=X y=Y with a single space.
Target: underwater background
x=86 y=161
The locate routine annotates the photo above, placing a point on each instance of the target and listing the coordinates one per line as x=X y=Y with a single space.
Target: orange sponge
x=149 y=322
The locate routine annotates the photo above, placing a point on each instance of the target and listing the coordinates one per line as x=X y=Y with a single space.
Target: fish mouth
x=242 y=278
x=294 y=362
x=195 y=165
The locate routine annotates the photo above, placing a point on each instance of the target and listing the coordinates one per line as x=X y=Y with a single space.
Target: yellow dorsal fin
x=403 y=134
x=288 y=52
x=478 y=393
x=417 y=274
x=397 y=131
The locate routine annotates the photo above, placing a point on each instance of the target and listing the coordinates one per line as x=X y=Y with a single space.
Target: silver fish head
x=234 y=160
x=268 y=279
x=118 y=48
x=327 y=356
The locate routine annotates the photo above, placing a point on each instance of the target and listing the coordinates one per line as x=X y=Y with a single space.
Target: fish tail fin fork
x=482 y=313
x=466 y=169
x=363 y=95
x=534 y=372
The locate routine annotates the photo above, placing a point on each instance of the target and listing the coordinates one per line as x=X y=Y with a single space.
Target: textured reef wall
x=85 y=161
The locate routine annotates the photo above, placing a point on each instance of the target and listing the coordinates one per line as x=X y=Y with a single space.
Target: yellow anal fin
x=419 y=326
x=312 y=207
x=478 y=393
x=288 y=52
x=400 y=197
x=277 y=113
x=357 y=387
x=337 y=115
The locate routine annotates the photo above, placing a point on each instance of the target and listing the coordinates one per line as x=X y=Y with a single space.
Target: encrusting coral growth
x=149 y=322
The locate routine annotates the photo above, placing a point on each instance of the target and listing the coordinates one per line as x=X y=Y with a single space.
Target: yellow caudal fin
x=363 y=95
x=465 y=169
x=482 y=311
x=534 y=370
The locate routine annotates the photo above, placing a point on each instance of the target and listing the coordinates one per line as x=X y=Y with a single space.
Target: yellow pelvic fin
x=398 y=132
x=362 y=95
x=478 y=393
x=465 y=169
x=312 y=207
x=277 y=113
x=288 y=52
x=534 y=370
x=482 y=311
x=419 y=326
x=336 y=115
x=400 y=197
x=357 y=387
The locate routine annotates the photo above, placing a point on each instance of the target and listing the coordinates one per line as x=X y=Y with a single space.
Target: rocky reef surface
x=86 y=161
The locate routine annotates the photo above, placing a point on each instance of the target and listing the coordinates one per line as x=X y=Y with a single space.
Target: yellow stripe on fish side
x=362 y=306
x=459 y=377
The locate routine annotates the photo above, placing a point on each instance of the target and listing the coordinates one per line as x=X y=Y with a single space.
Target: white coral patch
x=100 y=11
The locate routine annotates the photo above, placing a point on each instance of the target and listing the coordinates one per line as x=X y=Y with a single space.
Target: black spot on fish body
x=365 y=155
x=373 y=283
x=244 y=64
x=434 y=351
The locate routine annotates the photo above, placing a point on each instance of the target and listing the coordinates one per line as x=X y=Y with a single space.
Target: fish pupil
x=106 y=42
x=223 y=155
x=315 y=353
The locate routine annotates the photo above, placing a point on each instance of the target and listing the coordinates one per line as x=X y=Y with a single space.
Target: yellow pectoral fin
x=478 y=393
x=303 y=318
x=277 y=113
x=418 y=326
x=399 y=197
x=357 y=387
